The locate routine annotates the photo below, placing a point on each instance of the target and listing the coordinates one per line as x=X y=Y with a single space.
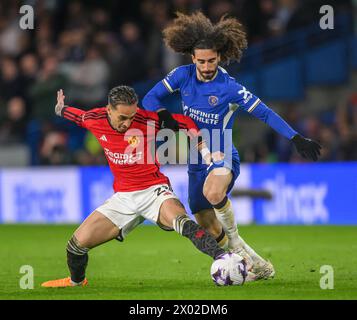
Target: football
x=229 y=269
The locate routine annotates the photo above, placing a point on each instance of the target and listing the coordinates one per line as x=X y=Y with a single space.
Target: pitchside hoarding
x=41 y=195
x=306 y=193
x=301 y=194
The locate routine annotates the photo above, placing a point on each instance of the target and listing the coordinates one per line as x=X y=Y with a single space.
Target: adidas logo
x=103 y=137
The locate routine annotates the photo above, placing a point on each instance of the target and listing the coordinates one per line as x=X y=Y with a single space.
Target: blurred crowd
x=86 y=48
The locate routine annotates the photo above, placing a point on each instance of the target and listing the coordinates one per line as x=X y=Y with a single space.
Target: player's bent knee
x=76 y=247
x=213 y=196
x=169 y=211
x=167 y=222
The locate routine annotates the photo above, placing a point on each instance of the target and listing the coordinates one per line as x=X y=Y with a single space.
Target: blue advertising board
x=40 y=195
x=306 y=193
x=96 y=187
x=301 y=193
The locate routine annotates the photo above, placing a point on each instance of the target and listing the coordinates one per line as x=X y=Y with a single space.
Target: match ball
x=229 y=269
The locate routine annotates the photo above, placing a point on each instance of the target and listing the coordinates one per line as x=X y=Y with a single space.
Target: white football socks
x=225 y=216
x=256 y=257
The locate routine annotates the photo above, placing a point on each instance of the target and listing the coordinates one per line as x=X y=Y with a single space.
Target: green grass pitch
x=153 y=264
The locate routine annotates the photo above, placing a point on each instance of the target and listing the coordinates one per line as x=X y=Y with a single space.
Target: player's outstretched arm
x=307 y=148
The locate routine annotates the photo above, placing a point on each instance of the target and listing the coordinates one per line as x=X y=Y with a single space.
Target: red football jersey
x=130 y=155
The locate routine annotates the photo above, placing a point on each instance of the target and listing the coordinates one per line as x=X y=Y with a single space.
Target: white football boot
x=244 y=254
x=263 y=270
x=257 y=267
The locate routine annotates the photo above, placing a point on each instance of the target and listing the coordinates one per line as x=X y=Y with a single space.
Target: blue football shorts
x=196 y=180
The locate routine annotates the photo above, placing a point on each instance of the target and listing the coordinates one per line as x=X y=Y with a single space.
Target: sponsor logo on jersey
x=201 y=116
x=246 y=94
x=122 y=158
x=213 y=100
x=133 y=141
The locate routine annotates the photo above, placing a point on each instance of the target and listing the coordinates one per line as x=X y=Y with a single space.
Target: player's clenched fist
x=60 y=102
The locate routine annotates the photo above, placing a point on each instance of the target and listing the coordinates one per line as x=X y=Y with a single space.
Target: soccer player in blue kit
x=211 y=97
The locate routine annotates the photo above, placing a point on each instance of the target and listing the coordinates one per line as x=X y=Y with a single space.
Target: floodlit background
x=54 y=172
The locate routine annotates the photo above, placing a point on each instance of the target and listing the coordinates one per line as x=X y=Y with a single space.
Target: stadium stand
x=291 y=63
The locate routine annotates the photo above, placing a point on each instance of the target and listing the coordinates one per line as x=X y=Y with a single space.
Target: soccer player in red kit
x=141 y=191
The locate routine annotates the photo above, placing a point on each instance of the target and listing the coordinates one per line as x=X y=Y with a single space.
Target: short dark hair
x=122 y=95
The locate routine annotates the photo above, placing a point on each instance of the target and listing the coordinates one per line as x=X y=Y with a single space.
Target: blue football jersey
x=213 y=106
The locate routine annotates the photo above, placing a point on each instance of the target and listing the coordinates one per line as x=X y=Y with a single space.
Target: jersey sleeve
x=253 y=105
x=84 y=119
x=185 y=122
x=175 y=78
x=75 y=115
x=171 y=83
x=193 y=132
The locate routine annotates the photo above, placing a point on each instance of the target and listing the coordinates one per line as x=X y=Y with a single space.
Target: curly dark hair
x=196 y=31
x=122 y=95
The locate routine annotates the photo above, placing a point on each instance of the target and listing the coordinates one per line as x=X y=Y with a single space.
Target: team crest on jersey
x=212 y=100
x=133 y=141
